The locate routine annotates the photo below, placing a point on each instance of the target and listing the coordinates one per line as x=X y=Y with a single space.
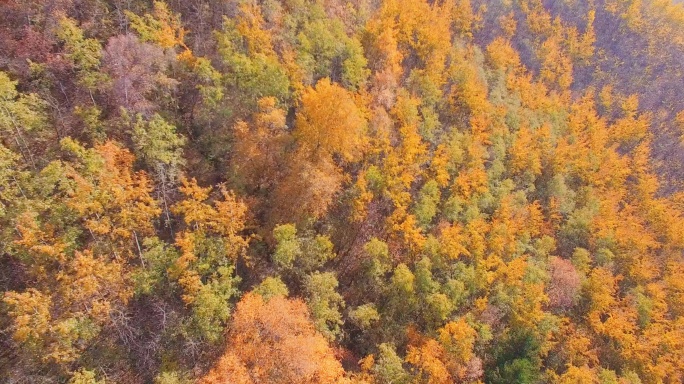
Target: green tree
x=389 y=366
x=21 y=119
x=325 y=303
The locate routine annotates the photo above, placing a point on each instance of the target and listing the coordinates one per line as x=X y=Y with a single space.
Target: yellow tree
x=260 y=146
x=274 y=341
x=307 y=191
x=224 y=220
x=330 y=126
x=209 y=247
x=112 y=200
x=329 y=122
x=162 y=27
x=419 y=28
x=402 y=165
x=81 y=259
x=450 y=358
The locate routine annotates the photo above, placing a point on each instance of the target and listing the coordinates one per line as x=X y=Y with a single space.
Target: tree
x=449 y=358
x=300 y=254
x=85 y=376
x=209 y=248
x=564 y=286
x=31 y=313
x=83 y=53
x=325 y=303
x=389 y=366
x=261 y=148
x=161 y=27
x=11 y=176
x=161 y=148
x=427 y=358
x=111 y=200
x=82 y=258
x=21 y=119
x=307 y=191
x=157 y=144
x=245 y=47
x=274 y=342
x=136 y=69
x=329 y=122
x=326 y=50
x=271 y=287
x=426 y=206
x=364 y=315
x=377 y=259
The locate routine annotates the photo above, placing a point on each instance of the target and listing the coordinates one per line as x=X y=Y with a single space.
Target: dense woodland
x=341 y=191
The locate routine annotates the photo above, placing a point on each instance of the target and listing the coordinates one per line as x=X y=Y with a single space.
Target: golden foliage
x=329 y=122
x=275 y=342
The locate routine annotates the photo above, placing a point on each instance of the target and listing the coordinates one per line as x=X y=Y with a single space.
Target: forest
x=341 y=191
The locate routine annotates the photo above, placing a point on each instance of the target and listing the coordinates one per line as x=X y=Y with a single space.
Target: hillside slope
x=327 y=191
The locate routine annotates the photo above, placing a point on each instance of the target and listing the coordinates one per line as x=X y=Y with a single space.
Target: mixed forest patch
x=341 y=191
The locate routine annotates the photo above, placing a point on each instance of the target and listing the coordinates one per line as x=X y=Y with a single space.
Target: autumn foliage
x=274 y=341
x=327 y=191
